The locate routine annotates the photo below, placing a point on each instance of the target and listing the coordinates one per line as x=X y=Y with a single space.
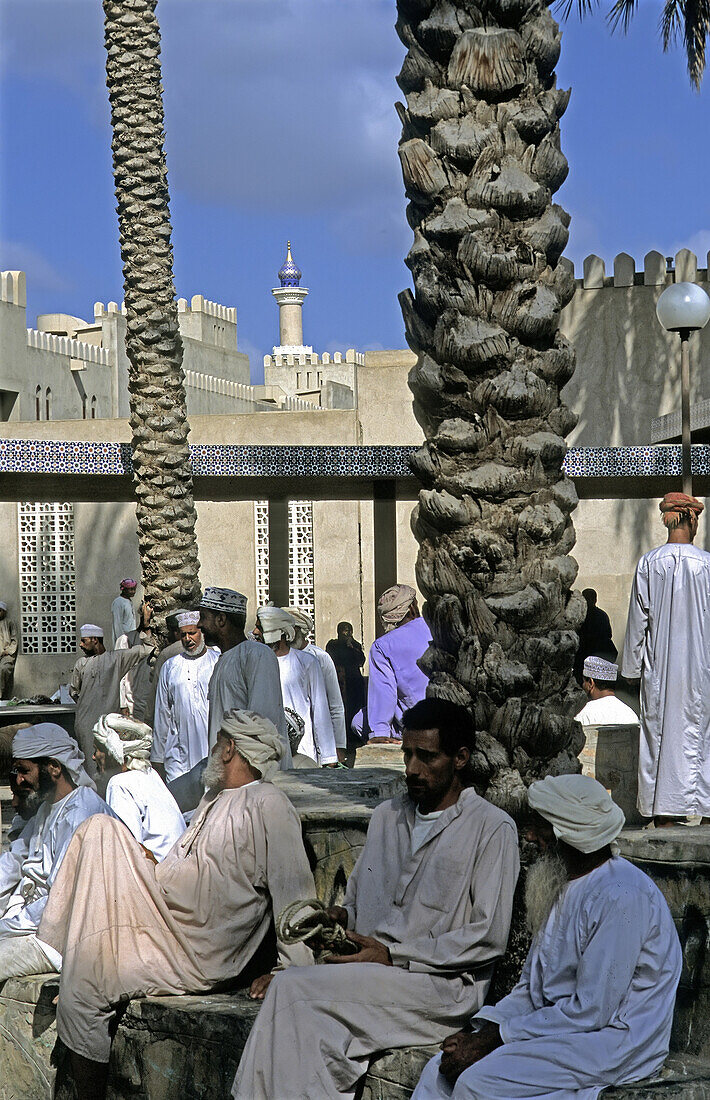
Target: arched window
x=48 y=404
x=38 y=403
x=84 y=406
x=93 y=407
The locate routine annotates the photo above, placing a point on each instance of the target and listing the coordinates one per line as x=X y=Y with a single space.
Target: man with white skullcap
x=396 y=682
x=96 y=680
x=47 y=770
x=594 y=1004
x=302 y=685
x=180 y=737
x=8 y=652
x=130 y=928
x=246 y=676
x=603 y=709
x=336 y=706
x=134 y=791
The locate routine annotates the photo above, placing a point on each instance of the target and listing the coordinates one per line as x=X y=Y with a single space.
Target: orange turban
x=676 y=506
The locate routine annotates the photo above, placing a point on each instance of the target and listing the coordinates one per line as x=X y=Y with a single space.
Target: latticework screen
x=47 y=577
x=301 y=590
x=261 y=549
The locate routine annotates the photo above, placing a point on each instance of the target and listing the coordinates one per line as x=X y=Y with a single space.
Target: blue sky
x=280 y=123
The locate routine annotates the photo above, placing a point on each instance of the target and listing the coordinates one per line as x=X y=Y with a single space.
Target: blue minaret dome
x=290 y=273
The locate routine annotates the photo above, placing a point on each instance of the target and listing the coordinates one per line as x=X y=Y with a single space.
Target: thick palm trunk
x=481 y=157
x=161 y=461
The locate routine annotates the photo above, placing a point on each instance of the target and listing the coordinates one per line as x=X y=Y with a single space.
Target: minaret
x=290 y=296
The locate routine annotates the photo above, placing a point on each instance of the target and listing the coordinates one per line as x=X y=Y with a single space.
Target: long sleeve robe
x=96 y=685
x=181 y=712
x=443 y=912
x=31 y=865
x=667 y=645
x=303 y=690
x=146 y=807
x=336 y=706
x=123 y=618
x=396 y=681
x=128 y=928
x=594 y=1004
x=246 y=677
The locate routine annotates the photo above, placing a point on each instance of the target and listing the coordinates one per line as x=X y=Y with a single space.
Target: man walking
x=667 y=645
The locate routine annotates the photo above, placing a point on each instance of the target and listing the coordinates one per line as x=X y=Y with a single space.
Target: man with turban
x=8 y=652
x=134 y=791
x=127 y=927
x=304 y=627
x=396 y=682
x=594 y=1004
x=48 y=772
x=123 y=617
x=428 y=906
x=603 y=709
x=180 y=738
x=302 y=685
x=667 y=646
x=246 y=676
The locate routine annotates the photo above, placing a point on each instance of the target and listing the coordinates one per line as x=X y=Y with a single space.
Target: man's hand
x=463 y=1049
x=384 y=741
x=258 y=988
x=146 y=613
x=338 y=914
x=371 y=951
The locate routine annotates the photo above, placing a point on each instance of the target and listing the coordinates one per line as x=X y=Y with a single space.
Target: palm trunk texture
x=480 y=154
x=162 y=473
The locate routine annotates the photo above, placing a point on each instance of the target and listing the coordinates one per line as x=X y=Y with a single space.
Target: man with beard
x=128 y=927
x=181 y=707
x=594 y=1004
x=49 y=777
x=428 y=904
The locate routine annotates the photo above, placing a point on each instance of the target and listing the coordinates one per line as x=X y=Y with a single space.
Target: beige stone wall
x=384 y=399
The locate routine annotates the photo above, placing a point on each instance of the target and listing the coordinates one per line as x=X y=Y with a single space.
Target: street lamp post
x=684 y=308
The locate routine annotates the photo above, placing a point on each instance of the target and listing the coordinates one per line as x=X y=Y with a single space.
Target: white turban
x=579 y=809
x=303 y=622
x=3 y=605
x=394 y=604
x=276 y=622
x=126 y=740
x=91 y=630
x=187 y=618
x=255 y=738
x=47 y=739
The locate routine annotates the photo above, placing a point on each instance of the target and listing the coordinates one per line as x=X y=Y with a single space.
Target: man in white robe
x=603 y=709
x=127 y=927
x=428 y=904
x=48 y=771
x=246 y=676
x=302 y=684
x=123 y=617
x=173 y=647
x=96 y=680
x=8 y=652
x=180 y=738
x=136 y=793
x=594 y=1004
x=336 y=706
x=667 y=646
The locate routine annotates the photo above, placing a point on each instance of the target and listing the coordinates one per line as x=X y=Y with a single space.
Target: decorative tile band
x=37 y=456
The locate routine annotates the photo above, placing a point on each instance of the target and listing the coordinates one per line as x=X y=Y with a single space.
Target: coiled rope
x=325 y=937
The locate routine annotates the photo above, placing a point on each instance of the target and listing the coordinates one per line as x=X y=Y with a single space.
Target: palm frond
x=671 y=21
x=621 y=14
x=695 y=34
x=583 y=7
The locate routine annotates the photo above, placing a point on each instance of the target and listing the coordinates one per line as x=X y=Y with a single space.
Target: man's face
x=208 y=626
x=24 y=802
x=213 y=775
x=587 y=686
x=539 y=832
x=3 y=613
x=129 y=593
x=345 y=631
x=257 y=631
x=191 y=638
x=89 y=646
x=31 y=776
x=429 y=771
x=99 y=756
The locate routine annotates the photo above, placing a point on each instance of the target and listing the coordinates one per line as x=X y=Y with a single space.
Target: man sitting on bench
x=429 y=903
x=594 y=1004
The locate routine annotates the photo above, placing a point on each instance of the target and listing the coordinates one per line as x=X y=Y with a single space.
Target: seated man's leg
x=319 y=1026
x=22 y=955
x=432 y=1085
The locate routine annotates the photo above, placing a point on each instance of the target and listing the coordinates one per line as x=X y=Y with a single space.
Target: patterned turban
x=275 y=623
x=579 y=809
x=597 y=669
x=675 y=507
x=255 y=738
x=224 y=599
x=47 y=739
x=303 y=622
x=187 y=618
x=125 y=740
x=128 y=582
x=394 y=604
x=91 y=630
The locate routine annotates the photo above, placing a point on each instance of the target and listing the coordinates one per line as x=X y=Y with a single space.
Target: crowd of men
x=152 y=854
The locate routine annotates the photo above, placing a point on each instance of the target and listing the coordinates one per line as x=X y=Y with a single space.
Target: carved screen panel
x=261 y=547
x=47 y=577
x=301 y=588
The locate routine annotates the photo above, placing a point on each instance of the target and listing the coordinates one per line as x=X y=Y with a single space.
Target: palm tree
x=687 y=20
x=162 y=474
x=481 y=159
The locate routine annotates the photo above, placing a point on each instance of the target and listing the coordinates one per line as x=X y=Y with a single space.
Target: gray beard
x=544 y=883
x=213 y=775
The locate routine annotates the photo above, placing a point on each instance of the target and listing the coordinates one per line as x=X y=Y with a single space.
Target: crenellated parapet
x=654 y=271
x=64 y=345
x=13 y=288
x=199 y=304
